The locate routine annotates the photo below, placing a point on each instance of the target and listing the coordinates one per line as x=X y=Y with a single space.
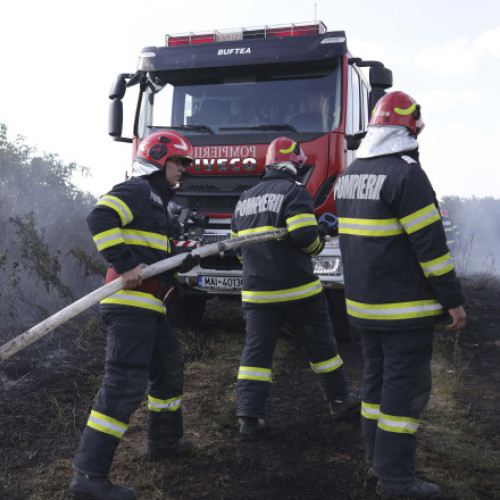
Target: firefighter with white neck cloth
x=399 y=280
x=279 y=285
x=132 y=229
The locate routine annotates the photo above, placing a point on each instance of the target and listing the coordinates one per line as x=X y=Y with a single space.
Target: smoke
x=47 y=256
x=478 y=220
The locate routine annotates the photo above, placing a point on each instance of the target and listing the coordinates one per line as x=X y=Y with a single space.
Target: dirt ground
x=47 y=392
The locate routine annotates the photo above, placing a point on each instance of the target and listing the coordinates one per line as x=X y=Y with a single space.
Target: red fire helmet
x=284 y=149
x=398 y=108
x=156 y=148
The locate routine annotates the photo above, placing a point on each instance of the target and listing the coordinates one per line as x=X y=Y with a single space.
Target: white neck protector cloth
x=385 y=140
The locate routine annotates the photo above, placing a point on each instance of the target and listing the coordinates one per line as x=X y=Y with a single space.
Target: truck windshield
x=307 y=104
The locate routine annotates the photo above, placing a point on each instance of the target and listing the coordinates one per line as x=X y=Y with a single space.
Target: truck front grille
x=213 y=193
x=229 y=261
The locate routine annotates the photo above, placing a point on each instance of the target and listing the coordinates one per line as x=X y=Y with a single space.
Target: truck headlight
x=331 y=266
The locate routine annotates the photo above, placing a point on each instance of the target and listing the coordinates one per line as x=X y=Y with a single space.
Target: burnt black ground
x=47 y=390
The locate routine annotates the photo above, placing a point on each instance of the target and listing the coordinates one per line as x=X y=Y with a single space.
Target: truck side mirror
x=115 y=116
x=118 y=88
x=380 y=77
x=380 y=81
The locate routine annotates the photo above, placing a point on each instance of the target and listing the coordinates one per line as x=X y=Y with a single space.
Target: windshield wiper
x=198 y=128
x=283 y=126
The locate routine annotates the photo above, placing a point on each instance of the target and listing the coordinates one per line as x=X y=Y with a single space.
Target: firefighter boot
x=86 y=487
x=411 y=488
x=343 y=408
x=252 y=428
x=165 y=431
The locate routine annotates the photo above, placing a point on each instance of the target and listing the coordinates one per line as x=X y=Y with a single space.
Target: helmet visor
x=186 y=161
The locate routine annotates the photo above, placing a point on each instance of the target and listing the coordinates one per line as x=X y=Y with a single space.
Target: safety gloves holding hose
x=188 y=263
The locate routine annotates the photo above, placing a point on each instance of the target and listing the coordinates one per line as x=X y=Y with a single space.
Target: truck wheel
x=338 y=315
x=185 y=311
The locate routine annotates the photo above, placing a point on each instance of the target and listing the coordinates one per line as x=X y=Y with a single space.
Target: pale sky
x=59 y=59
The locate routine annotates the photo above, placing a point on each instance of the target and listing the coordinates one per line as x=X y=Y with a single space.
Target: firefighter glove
x=328 y=225
x=188 y=263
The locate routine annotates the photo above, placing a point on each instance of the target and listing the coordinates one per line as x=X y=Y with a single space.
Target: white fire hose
x=59 y=318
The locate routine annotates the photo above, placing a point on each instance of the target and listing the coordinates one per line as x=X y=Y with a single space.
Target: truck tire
x=338 y=314
x=185 y=311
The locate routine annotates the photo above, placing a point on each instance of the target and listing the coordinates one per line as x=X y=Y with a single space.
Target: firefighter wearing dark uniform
x=453 y=237
x=279 y=284
x=399 y=280
x=131 y=229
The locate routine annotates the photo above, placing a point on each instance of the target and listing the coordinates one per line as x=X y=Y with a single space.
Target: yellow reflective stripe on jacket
x=116 y=236
x=300 y=220
x=327 y=366
x=370 y=227
x=255 y=373
x=105 y=424
x=135 y=299
x=395 y=310
x=313 y=247
x=437 y=267
x=370 y=411
x=120 y=207
x=257 y=230
x=420 y=219
x=299 y=292
x=253 y=230
x=400 y=425
x=159 y=405
x=146 y=239
x=108 y=238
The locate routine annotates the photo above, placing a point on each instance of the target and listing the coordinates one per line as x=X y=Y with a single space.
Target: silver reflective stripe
x=141 y=238
x=399 y=425
x=301 y=220
x=164 y=404
x=119 y=206
x=124 y=295
x=394 y=311
x=370 y=410
x=105 y=424
x=254 y=373
x=372 y=227
x=437 y=266
x=420 y=218
x=113 y=236
x=327 y=366
x=281 y=295
x=135 y=299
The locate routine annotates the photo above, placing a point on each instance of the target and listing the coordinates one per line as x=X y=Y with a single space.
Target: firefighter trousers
x=310 y=321
x=142 y=355
x=396 y=388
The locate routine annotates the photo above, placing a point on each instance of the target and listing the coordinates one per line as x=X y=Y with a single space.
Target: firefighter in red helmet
x=399 y=280
x=131 y=228
x=279 y=285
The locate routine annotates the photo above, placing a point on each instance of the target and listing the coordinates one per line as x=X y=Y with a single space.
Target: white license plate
x=221 y=282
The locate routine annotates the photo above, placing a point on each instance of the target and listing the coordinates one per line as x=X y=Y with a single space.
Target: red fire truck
x=231 y=92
